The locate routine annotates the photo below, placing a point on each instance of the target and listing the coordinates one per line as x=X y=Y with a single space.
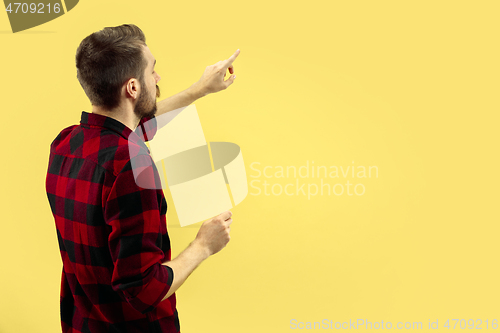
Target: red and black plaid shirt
x=112 y=233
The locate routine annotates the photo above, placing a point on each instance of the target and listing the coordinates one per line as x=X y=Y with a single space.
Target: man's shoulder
x=103 y=146
x=113 y=152
x=62 y=138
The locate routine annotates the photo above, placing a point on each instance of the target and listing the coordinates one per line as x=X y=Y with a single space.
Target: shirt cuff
x=151 y=294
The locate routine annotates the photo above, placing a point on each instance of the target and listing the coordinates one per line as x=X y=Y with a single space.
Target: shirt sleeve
x=133 y=213
x=147 y=128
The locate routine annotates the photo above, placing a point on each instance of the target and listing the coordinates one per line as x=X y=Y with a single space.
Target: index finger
x=226 y=215
x=230 y=60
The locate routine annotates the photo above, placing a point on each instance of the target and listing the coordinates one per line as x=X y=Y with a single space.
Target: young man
x=117 y=274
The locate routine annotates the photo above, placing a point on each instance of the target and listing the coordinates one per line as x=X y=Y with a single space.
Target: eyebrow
x=154 y=63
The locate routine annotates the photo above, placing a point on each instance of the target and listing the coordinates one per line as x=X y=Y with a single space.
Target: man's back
x=112 y=233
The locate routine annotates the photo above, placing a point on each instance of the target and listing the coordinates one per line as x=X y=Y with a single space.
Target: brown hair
x=106 y=59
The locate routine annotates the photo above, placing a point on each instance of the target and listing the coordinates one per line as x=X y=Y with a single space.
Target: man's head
x=114 y=65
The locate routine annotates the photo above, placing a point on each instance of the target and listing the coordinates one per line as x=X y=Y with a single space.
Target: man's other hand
x=214 y=233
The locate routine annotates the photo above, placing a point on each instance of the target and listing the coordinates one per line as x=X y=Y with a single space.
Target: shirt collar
x=94 y=119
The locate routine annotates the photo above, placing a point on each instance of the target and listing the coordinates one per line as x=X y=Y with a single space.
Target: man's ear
x=132 y=88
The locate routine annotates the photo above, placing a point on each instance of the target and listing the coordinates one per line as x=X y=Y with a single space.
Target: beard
x=145 y=106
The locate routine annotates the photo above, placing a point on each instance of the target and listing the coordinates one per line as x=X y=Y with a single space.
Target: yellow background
x=411 y=87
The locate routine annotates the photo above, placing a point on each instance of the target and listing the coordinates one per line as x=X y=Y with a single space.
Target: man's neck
x=126 y=117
